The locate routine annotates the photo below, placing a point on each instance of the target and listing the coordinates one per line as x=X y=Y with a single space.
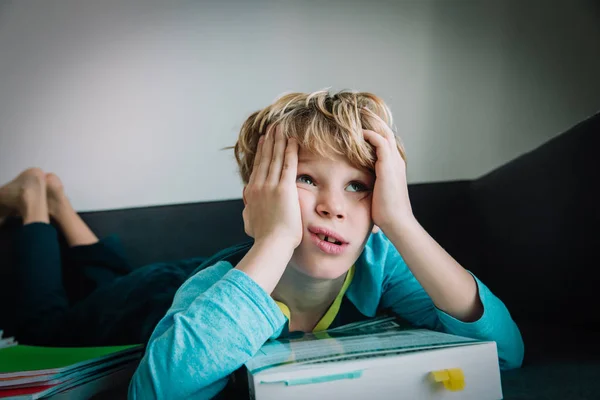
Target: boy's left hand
x=390 y=202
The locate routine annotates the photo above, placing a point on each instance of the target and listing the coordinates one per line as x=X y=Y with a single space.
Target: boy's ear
x=375 y=229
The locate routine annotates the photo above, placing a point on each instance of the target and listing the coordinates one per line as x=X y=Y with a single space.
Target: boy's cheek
x=306 y=198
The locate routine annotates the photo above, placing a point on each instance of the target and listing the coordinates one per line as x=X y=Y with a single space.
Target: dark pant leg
x=125 y=311
x=41 y=297
x=123 y=308
x=50 y=283
x=89 y=267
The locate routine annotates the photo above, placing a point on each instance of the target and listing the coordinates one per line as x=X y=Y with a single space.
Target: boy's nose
x=331 y=208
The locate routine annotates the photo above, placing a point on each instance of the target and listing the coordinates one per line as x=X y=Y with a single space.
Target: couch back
x=538 y=217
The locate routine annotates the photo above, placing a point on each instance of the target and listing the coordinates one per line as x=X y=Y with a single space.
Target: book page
x=364 y=339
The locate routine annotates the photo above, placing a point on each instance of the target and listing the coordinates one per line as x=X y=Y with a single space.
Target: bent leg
x=123 y=312
x=40 y=290
x=90 y=267
x=75 y=230
x=89 y=263
x=42 y=298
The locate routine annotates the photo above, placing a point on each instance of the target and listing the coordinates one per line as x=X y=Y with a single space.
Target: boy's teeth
x=327 y=238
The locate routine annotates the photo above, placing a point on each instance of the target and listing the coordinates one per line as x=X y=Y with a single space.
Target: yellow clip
x=453 y=378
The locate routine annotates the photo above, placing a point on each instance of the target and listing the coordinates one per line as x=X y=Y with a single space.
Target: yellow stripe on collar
x=284 y=309
x=330 y=315
x=333 y=310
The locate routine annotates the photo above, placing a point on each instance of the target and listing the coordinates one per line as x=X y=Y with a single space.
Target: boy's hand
x=390 y=202
x=272 y=211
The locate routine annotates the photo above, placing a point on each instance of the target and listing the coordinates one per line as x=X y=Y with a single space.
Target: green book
x=22 y=360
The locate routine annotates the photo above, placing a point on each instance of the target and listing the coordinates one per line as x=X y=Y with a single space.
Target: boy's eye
x=305 y=179
x=357 y=187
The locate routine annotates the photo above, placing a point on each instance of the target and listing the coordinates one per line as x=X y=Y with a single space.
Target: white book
x=377 y=359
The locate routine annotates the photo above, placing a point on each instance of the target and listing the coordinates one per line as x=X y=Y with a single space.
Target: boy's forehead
x=306 y=157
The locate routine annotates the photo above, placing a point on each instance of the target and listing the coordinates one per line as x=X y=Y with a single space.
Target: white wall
x=131 y=102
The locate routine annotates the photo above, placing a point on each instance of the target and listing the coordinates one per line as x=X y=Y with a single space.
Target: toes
x=53 y=181
x=50 y=177
x=28 y=185
x=35 y=176
x=34 y=172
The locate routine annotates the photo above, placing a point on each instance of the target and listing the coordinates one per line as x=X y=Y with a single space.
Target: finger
x=385 y=148
x=257 y=157
x=290 y=162
x=387 y=131
x=277 y=157
x=376 y=139
x=265 y=159
x=380 y=143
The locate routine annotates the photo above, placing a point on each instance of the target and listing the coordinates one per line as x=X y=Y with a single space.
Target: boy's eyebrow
x=364 y=175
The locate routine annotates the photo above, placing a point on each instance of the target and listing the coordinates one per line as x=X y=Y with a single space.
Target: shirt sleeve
x=218 y=320
x=403 y=295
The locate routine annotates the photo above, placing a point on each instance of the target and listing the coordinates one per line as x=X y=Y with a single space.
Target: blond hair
x=324 y=124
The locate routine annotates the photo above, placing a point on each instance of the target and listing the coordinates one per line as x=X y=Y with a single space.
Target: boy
x=335 y=241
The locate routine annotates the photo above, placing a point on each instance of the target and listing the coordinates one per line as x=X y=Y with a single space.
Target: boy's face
x=335 y=198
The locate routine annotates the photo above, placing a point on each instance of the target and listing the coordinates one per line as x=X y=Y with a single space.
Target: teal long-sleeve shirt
x=220 y=318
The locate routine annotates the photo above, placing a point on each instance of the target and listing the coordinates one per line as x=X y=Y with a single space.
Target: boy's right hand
x=272 y=209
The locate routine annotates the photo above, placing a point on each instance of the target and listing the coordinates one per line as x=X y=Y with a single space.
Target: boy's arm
x=459 y=298
x=219 y=319
x=272 y=212
x=209 y=334
x=448 y=284
x=404 y=295
x=451 y=287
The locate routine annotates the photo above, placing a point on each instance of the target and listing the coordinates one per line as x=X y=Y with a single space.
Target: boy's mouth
x=328 y=239
x=328 y=235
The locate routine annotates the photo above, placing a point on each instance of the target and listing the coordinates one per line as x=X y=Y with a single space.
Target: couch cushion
x=539 y=217
x=553 y=381
x=444 y=209
x=173 y=232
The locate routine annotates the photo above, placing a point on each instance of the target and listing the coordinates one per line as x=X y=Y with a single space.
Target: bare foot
x=57 y=200
x=14 y=196
x=75 y=230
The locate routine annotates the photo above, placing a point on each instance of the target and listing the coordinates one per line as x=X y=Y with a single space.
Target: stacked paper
x=32 y=372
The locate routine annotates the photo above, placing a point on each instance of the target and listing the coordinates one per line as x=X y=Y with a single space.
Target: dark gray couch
x=528 y=229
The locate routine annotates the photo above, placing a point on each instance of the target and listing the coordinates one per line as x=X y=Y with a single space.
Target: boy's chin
x=320 y=267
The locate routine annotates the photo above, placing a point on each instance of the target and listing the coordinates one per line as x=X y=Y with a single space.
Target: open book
x=375 y=359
